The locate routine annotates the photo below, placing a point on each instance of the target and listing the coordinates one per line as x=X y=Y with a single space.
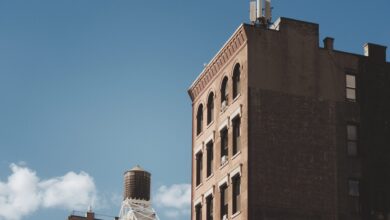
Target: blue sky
x=95 y=87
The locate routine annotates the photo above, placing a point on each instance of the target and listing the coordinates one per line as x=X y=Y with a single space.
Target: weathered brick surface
x=292 y=156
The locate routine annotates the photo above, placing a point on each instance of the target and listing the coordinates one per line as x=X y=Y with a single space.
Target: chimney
x=375 y=52
x=90 y=215
x=328 y=43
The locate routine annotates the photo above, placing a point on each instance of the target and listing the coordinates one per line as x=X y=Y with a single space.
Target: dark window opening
x=354 y=187
x=236 y=193
x=210 y=158
x=199 y=120
x=224 y=94
x=224 y=145
x=236 y=81
x=210 y=108
x=224 y=202
x=199 y=168
x=198 y=212
x=236 y=135
x=209 y=208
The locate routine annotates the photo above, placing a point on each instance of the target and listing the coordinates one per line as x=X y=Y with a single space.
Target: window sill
x=209 y=177
x=224 y=165
x=236 y=214
x=209 y=125
x=223 y=110
x=236 y=155
x=237 y=97
x=198 y=135
x=198 y=186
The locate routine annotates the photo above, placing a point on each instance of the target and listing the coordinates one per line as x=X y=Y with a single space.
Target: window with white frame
x=350 y=81
x=352 y=140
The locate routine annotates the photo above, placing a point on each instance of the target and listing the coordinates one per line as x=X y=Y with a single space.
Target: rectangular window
x=224 y=145
x=209 y=208
x=224 y=202
x=210 y=158
x=198 y=212
x=236 y=193
x=236 y=135
x=350 y=87
x=352 y=140
x=353 y=187
x=199 y=168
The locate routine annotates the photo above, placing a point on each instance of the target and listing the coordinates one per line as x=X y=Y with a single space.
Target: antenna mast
x=256 y=12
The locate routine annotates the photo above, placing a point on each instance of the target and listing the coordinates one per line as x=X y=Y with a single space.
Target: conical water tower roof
x=137 y=168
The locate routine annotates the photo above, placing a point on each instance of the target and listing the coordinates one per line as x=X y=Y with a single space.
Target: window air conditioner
x=223 y=159
x=224 y=104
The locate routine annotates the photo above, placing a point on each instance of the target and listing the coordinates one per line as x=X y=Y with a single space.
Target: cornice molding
x=234 y=44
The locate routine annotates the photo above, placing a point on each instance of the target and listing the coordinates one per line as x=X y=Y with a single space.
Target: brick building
x=284 y=128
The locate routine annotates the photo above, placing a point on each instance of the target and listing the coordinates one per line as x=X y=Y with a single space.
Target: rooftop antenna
x=268 y=11
x=256 y=12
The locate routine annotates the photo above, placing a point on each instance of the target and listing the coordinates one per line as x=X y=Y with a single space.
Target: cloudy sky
x=90 y=88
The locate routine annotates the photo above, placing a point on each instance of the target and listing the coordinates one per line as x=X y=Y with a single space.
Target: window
x=209 y=208
x=353 y=189
x=210 y=108
x=236 y=135
x=236 y=193
x=352 y=139
x=224 y=202
x=210 y=158
x=224 y=94
x=199 y=119
x=199 y=168
x=350 y=87
x=224 y=145
x=236 y=81
x=198 y=212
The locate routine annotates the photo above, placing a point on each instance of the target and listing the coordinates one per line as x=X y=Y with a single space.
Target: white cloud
x=24 y=193
x=175 y=199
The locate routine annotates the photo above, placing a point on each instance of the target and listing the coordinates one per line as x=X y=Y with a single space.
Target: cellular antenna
x=256 y=12
x=268 y=11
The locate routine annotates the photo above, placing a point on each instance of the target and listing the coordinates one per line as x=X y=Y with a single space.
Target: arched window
x=236 y=81
x=199 y=119
x=224 y=93
x=210 y=108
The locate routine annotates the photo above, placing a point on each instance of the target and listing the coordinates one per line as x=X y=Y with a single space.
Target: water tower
x=136 y=203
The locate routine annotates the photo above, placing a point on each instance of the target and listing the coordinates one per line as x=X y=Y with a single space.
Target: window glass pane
x=198 y=212
x=352 y=148
x=350 y=81
x=210 y=158
x=352 y=132
x=353 y=187
x=199 y=168
x=351 y=94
